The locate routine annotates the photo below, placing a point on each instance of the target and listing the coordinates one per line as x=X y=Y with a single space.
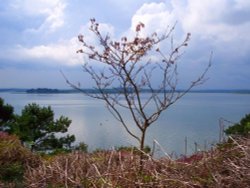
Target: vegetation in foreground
x=228 y=165
x=36 y=127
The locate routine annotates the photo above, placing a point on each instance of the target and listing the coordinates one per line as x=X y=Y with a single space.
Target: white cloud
x=242 y=4
x=218 y=19
x=63 y=53
x=32 y=7
x=40 y=29
x=90 y=37
x=155 y=16
x=222 y=25
x=52 y=11
x=55 y=17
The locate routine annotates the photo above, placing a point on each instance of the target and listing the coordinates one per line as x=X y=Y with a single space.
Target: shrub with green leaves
x=240 y=129
x=37 y=129
x=6 y=114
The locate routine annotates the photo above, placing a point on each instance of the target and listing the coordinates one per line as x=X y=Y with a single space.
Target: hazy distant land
x=113 y=90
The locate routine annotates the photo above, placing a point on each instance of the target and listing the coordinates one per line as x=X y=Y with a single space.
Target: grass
x=228 y=165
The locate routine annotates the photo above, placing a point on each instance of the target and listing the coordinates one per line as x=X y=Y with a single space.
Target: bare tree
x=129 y=67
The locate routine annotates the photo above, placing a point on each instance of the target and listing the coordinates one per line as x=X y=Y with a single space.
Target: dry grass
x=14 y=159
x=11 y=151
x=226 y=166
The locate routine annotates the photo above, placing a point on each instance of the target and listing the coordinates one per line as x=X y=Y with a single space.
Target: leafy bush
x=6 y=115
x=81 y=147
x=36 y=128
x=240 y=129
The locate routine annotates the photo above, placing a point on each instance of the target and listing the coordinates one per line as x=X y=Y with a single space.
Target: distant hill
x=43 y=90
x=113 y=90
x=14 y=90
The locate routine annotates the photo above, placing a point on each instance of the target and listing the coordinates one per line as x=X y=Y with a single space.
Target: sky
x=38 y=38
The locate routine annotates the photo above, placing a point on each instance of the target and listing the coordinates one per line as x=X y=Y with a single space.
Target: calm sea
x=194 y=118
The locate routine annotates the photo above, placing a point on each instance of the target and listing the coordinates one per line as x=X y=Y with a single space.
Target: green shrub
x=81 y=147
x=240 y=129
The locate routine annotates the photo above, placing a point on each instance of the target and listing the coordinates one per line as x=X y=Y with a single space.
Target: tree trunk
x=142 y=147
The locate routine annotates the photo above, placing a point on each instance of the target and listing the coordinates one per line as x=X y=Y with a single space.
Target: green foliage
x=147 y=149
x=6 y=114
x=240 y=129
x=81 y=147
x=36 y=128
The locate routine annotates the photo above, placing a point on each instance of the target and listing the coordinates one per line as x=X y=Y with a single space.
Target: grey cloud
x=237 y=17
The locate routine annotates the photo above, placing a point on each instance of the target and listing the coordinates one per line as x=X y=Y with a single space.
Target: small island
x=43 y=90
x=118 y=90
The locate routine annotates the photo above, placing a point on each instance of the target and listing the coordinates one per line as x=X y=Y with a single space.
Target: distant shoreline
x=115 y=90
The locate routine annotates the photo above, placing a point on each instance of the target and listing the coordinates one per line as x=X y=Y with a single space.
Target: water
x=195 y=117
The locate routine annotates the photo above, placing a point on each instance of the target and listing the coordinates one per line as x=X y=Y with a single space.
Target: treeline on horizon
x=114 y=90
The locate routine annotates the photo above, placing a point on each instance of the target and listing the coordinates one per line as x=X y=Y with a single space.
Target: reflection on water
x=195 y=116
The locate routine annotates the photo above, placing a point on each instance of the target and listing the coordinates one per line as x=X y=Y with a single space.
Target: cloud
x=54 y=19
x=242 y=4
x=219 y=20
x=90 y=37
x=221 y=25
x=52 y=13
x=43 y=32
x=216 y=25
x=156 y=17
x=62 y=53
